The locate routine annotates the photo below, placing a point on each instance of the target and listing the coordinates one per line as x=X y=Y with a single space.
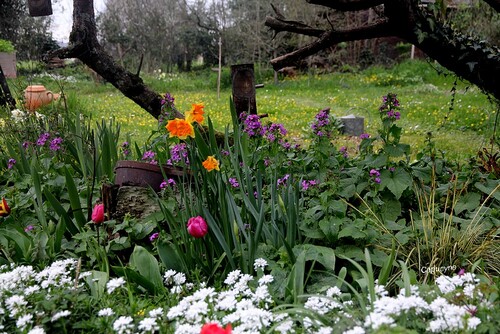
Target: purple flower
x=11 y=163
x=179 y=153
x=274 y=131
x=320 y=125
x=154 y=236
x=26 y=144
x=364 y=136
x=29 y=228
x=282 y=181
x=55 y=144
x=43 y=138
x=267 y=162
x=167 y=99
x=224 y=152
x=149 y=156
x=286 y=145
x=377 y=180
x=389 y=105
x=307 y=184
x=233 y=182
x=168 y=183
x=343 y=150
x=392 y=169
x=125 y=144
x=252 y=125
x=374 y=172
x=461 y=272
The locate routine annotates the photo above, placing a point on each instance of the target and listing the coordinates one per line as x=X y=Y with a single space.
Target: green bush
x=6 y=46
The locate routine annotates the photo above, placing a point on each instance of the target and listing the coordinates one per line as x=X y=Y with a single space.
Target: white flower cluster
x=19 y=115
x=243 y=304
x=441 y=314
x=21 y=287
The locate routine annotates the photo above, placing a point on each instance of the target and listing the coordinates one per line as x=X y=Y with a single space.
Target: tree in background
x=31 y=36
x=473 y=59
x=161 y=31
x=476 y=61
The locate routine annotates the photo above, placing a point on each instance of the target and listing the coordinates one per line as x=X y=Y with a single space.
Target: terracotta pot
x=37 y=96
x=143 y=174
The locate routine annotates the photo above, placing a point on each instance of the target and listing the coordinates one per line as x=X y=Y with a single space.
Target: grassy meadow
x=460 y=123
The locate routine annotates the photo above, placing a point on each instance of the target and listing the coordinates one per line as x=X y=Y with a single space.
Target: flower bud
x=98 y=214
x=197 y=227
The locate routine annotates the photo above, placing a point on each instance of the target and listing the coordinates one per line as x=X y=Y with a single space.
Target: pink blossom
x=98 y=214
x=197 y=227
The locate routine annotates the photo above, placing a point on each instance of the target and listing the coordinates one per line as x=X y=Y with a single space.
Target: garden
x=270 y=223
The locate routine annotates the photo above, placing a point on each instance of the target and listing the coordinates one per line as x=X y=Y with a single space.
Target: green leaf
x=170 y=257
x=469 y=202
x=61 y=212
x=330 y=228
x=397 y=181
x=147 y=265
x=321 y=254
x=391 y=209
x=134 y=276
x=351 y=231
x=74 y=199
x=97 y=281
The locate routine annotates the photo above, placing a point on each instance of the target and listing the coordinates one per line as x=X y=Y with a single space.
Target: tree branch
x=330 y=38
x=83 y=44
x=348 y=5
x=279 y=25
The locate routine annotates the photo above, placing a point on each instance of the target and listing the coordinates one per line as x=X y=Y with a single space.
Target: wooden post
x=243 y=83
x=5 y=96
x=40 y=7
x=219 y=74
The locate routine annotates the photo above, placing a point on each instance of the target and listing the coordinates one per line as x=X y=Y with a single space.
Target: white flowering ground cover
x=61 y=299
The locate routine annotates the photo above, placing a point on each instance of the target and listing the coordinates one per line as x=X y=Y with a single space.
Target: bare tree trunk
x=83 y=44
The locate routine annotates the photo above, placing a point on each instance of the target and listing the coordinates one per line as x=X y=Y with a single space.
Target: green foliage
x=6 y=46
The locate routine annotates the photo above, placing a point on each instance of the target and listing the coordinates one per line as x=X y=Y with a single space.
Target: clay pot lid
x=36 y=88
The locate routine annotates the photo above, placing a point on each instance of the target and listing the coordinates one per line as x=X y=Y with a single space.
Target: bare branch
x=348 y=5
x=279 y=25
x=330 y=38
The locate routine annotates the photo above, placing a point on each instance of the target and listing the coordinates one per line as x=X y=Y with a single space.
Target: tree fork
x=83 y=44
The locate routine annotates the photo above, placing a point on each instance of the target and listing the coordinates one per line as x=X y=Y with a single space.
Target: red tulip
x=213 y=328
x=4 y=208
x=98 y=214
x=197 y=227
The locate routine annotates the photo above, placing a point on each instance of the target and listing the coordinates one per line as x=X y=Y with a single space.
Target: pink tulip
x=98 y=214
x=197 y=227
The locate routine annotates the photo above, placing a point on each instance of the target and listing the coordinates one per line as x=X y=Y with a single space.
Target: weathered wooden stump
x=138 y=202
x=243 y=83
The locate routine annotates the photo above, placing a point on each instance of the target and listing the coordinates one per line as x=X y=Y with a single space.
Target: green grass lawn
x=425 y=95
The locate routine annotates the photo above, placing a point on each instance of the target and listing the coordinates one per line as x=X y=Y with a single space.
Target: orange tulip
x=196 y=113
x=4 y=208
x=180 y=128
x=211 y=163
